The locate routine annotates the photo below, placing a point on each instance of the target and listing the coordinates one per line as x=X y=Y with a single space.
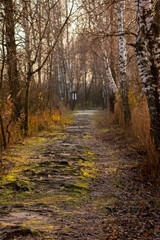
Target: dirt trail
x=73 y=185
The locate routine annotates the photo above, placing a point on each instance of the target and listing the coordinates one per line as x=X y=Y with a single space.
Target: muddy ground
x=79 y=183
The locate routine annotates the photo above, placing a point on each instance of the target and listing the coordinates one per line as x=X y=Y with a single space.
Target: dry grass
x=48 y=120
x=141 y=123
x=109 y=119
x=43 y=120
x=139 y=131
x=150 y=165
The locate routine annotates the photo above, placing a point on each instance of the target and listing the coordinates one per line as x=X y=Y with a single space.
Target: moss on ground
x=47 y=180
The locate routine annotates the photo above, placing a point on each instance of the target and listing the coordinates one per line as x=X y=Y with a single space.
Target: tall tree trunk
x=1 y=82
x=100 y=80
x=59 y=73
x=12 y=57
x=63 y=71
x=123 y=62
x=26 y=105
x=148 y=58
x=85 y=88
x=112 y=64
x=40 y=44
x=69 y=82
x=111 y=87
x=3 y=132
x=29 y=64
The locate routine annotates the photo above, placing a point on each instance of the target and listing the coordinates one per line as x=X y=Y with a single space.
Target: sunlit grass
x=139 y=131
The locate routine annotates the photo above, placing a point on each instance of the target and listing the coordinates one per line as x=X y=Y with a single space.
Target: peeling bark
x=123 y=62
x=148 y=58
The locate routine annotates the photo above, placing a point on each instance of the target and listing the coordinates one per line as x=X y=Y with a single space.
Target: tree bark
x=3 y=132
x=148 y=58
x=12 y=58
x=69 y=82
x=26 y=106
x=123 y=62
x=1 y=82
x=29 y=64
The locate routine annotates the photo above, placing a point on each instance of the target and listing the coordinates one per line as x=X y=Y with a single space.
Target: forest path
x=82 y=184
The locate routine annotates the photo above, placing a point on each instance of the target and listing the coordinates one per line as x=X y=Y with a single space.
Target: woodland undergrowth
x=39 y=121
x=139 y=132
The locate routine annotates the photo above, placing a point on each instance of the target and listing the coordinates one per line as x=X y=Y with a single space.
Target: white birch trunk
x=123 y=62
x=109 y=75
x=148 y=58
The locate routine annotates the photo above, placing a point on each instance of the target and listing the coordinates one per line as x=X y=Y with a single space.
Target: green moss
x=5 y=224
x=29 y=172
x=12 y=155
x=20 y=185
x=66 y=229
x=41 y=225
x=89 y=153
x=77 y=188
x=11 y=177
x=85 y=147
x=31 y=183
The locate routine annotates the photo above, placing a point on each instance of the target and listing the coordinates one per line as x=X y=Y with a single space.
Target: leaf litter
x=82 y=184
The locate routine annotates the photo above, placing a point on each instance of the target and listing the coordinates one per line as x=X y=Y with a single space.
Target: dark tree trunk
x=112 y=101
x=12 y=57
x=26 y=107
x=3 y=132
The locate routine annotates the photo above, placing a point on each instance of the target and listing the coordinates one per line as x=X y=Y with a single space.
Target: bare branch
x=52 y=48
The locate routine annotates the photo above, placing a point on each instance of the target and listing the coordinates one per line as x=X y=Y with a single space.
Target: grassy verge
x=139 y=132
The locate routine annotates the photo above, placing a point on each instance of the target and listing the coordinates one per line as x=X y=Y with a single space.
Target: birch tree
x=110 y=86
x=148 y=58
x=123 y=62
